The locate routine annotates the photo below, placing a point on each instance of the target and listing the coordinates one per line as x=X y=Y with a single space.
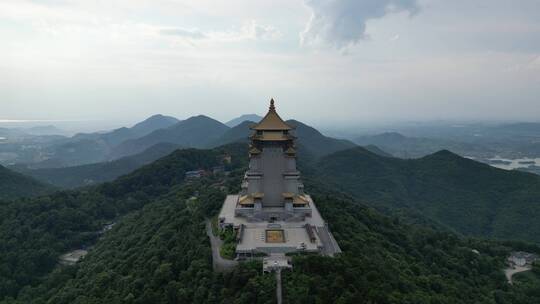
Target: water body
x=510 y=164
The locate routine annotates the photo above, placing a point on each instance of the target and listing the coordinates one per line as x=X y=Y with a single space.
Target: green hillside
x=160 y=254
x=34 y=232
x=470 y=197
x=14 y=185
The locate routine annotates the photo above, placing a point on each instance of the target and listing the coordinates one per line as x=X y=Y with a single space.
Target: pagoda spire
x=272 y=121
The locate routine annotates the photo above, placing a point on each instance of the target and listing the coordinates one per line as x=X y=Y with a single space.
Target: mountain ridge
x=16 y=185
x=444 y=187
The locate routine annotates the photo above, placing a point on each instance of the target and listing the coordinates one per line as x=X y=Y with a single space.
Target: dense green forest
x=14 y=185
x=160 y=254
x=467 y=196
x=158 y=251
x=35 y=231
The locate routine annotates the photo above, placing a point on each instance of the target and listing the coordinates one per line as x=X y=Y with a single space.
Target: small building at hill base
x=521 y=259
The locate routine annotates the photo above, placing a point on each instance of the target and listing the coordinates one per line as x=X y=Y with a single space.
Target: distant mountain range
x=86 y=148
x=198 y=131
x=246 y=117
x=14 y=185
x=90 y=174
x=415 y=147
x=44 y=130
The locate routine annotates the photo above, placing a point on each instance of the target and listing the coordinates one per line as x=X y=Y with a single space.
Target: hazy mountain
x=45 y=130
x=240 y=132
x=246 y=117
x=14 y=185
x=414 y=147
x=316 y=143
x=77 y=176
x=88 y=148
x=198 y=131
x=153 y=123
x=312 y=141
x=73 y=153
x=140 y=129
x=468 y=196
x=9 y=132
x=377 y=150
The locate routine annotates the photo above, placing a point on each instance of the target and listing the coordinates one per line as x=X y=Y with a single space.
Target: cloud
x=250 y=30
x=184 y=33
x=535 y=63
x=253 y=30
x=341 y=23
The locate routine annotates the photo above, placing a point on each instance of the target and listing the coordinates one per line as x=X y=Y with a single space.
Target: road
x=220 y=264
x=278 y=287
x=511 y=271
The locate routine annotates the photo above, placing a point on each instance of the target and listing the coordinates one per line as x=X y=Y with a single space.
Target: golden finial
x=272 y=107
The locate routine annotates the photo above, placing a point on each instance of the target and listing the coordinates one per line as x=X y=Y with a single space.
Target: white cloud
x=341 y=23
x=183 y=33
x=535 y=64
x=248 y=31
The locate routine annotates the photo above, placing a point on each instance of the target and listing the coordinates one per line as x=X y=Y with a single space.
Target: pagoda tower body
x=271 y=189
x=272 y=214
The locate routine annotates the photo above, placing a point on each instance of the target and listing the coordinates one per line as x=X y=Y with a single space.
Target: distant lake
x=509 y=164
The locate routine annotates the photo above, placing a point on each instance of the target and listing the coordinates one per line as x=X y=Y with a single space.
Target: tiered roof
x=272 y=121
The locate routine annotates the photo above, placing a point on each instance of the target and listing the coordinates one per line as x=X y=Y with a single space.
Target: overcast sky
x=322 y=60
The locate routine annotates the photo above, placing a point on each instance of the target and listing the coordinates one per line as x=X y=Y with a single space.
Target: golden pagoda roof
x=297 y=198
x=249 y=199
x=254 y=150
x=301 y=199
x=291 y=150
x=246 y=200
x=272 y=121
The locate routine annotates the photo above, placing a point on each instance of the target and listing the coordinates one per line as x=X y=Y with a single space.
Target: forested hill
x=198 y=132
x=160 y=254
x=14 y=185
x=34 y=232
x=470 y=197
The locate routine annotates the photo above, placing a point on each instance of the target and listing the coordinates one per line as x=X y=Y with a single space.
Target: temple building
x=272 y=214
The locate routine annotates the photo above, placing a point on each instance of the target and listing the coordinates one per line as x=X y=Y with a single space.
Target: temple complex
x=272 y=215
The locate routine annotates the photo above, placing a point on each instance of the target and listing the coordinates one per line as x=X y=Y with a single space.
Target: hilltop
x=196 y=132
x=246 y=117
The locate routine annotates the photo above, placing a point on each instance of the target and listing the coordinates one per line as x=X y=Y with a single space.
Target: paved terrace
x=296 y=236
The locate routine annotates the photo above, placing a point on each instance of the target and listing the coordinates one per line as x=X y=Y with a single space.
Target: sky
x=324 y=61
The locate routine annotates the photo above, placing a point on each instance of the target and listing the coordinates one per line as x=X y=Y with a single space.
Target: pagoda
x=272 y=214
